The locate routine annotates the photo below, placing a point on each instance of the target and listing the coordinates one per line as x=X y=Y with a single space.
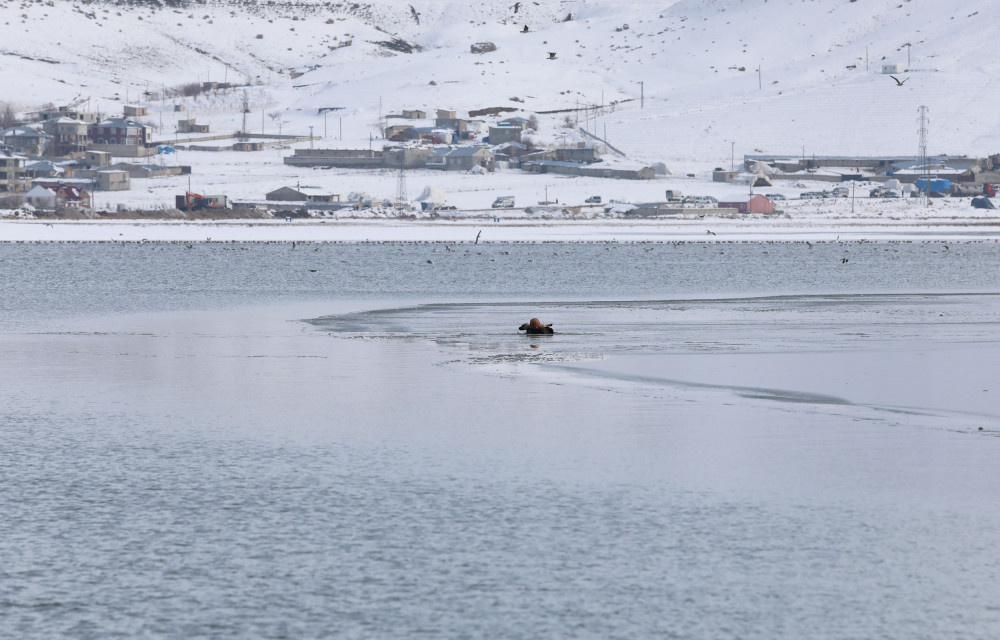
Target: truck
x=504 y=202
x=194 y=201
x=593 y=200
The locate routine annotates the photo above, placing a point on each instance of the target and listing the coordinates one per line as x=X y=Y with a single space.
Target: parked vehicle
x=673 y=195
x=776 y=196
x=700 y=200
x=812 y=195
x=882 y=192
x=841 y=192
x=504 y=202
x=593 y=200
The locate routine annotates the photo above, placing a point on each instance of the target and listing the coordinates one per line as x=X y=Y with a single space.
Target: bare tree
x=533 y=122
x=8 y=118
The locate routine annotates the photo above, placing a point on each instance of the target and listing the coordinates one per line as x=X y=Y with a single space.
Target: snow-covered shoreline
x=471 y=231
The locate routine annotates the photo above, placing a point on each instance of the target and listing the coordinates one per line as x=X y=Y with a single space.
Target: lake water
x=353 y=440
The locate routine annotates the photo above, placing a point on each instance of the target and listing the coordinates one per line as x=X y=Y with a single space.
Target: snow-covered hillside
x=694 y=80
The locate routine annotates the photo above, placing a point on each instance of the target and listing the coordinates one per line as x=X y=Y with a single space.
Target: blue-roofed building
x=27 y=141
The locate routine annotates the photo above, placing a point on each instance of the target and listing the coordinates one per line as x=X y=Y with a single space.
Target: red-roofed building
x=756 y=204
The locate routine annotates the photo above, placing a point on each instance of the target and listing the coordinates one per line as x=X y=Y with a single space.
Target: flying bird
x=899 y=82
x=552 y=55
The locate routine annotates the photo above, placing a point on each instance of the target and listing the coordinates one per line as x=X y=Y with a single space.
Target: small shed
x=113 y=180
x=894 y=67
x=190 y=126
x=98 y=159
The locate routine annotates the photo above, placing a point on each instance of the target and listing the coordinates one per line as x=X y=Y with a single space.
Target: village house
x=134 y=111
x=395 y=132
x=67 y=135
x=516 y=121
x=586 y=155
x=578 y=169
x=150 y=170
x=756 y=204
x=43 y=169
x=190 y=126
x=301 y=194
x=409 y=114
x=25 y=140
x=449 y=120
x=89 y=117
x=460 y=159
x=112 y=180
x=388 y=157
x=432 y=135
x=509 y=152
x=121 y=132
x=505 y=133
x=97 y=159
x=12 y=172
x=54 y=195
x=41 y=197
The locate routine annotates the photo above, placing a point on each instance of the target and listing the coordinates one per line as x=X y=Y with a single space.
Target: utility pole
x=925 y=168
x=246 y=110
x=642 y=95
x=732 y=155
x=324 y=124
x=402 y=201
x=760 y=82
x=310 y=137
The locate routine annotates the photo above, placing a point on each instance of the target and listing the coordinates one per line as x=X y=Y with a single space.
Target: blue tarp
x=937 y=184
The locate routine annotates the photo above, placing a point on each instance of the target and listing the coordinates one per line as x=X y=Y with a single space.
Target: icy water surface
x=756 y=441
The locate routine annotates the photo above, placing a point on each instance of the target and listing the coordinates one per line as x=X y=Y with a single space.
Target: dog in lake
x=535 y=326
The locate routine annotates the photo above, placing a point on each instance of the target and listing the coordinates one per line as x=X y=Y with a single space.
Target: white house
x=41 y=198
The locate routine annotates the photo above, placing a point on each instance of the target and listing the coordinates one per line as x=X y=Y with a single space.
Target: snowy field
x=694 y=85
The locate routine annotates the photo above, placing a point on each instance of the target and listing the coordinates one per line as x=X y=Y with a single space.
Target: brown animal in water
x=535 y=326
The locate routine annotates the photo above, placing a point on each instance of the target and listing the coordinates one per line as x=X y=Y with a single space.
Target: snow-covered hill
x=694 y=80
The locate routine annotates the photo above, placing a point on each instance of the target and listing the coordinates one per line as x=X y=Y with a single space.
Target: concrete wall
x=124 y=150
